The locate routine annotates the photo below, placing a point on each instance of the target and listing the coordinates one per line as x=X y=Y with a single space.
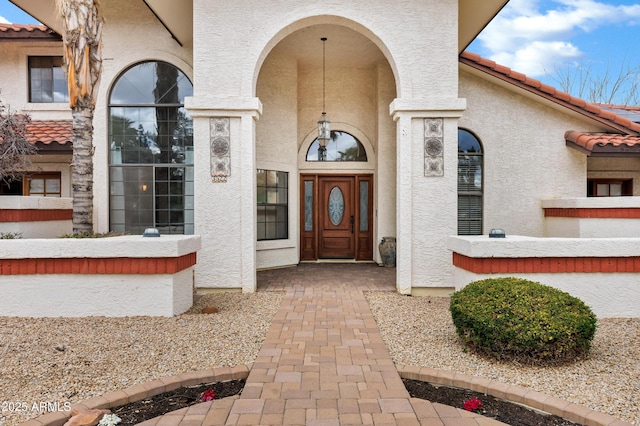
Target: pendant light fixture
x=324 y=125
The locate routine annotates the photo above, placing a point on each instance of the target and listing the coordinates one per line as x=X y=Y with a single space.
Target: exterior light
x=151 y=232
x=324 y=125
x=497 y=233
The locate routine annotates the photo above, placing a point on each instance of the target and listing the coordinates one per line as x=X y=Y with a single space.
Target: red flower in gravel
x=474 y=405
x=208 y=395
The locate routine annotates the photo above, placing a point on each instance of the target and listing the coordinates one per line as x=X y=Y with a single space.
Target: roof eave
x=57 y=148
x=473 y=17
x=42 y=10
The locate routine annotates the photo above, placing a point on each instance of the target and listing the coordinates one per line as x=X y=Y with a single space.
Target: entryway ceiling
x=177 y=18
x=345 y=48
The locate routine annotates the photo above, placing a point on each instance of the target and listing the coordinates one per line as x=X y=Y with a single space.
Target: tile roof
x=626 y=142
x=48 y=132
x=27 y=32
x=623 y=107
x=594 y=111
x=603 y=144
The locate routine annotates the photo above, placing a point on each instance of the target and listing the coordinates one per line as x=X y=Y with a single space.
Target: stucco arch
x=310 y=21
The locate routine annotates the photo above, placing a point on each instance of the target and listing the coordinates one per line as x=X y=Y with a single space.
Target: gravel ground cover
x=66 y=360
x=418 y=331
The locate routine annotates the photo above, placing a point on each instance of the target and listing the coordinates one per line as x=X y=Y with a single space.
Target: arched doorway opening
x=341 y=192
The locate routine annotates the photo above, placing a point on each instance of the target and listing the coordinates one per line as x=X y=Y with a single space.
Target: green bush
x=10 y=235
x=95 y=235
x=517 y=319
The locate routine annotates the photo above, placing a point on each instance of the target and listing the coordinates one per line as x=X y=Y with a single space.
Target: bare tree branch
x=620 y=88
x=15 y=149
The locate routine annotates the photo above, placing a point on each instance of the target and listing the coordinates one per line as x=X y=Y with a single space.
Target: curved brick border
x=512 y=393
x=518 y=394
x=145 y=390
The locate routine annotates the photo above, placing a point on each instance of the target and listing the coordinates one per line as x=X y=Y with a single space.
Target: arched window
x=151 y=151
x=341 y=147
x=469 y=184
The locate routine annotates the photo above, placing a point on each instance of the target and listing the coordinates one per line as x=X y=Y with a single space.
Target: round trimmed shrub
x=516 y=319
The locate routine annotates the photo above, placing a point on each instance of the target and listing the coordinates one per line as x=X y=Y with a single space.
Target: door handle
x=353 y=220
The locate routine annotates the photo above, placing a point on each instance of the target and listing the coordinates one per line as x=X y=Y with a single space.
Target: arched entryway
x=337 y=206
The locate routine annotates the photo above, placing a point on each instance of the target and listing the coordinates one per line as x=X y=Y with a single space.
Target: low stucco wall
x=592 y=217
x=603 y=272
x=69 y=295
x=117 y=276
x=36 y=217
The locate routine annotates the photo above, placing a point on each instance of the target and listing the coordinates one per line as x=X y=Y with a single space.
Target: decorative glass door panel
x=336 y=206
x=336 y=236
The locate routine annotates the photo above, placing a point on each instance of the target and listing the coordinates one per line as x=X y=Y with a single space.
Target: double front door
x=336 y=220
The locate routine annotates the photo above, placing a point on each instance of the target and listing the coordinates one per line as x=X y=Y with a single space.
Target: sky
x=549 y=40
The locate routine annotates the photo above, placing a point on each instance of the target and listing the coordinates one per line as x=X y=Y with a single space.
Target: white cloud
x=539 y=58
x=3 y=20
x=534 y=41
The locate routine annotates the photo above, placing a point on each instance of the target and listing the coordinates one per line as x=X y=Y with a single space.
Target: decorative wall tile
x=220 y=147
x=433 y=128
x=433 y=147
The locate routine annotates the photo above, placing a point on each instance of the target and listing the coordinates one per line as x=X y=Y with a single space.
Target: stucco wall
x=14 y=93
x=55 y=163
x=525 y=156
x=68 y=295
x=592 y=217
x=277 y=147
x=117 y=276
x=14 y=85
x=127 y=22
x=272 y=101
x=434 y=209
x=385 y=178
x=42 y=206
x=615 y=168
x=235 y=56
x=609 y=292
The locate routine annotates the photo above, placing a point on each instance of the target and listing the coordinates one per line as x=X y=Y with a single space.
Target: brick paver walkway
x=323 y=361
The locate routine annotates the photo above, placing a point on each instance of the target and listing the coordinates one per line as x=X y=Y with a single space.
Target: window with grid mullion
x=272 y=205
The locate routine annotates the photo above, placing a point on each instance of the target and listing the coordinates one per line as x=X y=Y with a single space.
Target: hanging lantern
x=324 y=125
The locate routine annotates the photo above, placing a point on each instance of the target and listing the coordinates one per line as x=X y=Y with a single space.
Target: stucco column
x=426 y=190
x=225 y=191
x=403 y=203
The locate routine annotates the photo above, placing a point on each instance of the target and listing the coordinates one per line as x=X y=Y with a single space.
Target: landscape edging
x=144 y=390
x=512 y=393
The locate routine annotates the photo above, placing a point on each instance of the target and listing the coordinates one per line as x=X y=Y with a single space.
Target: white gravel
x=105 y=354
x=418 y=331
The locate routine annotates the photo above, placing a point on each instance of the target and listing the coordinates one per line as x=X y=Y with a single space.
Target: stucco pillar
x=403 y=203
x=426 y=196
x=225 y=191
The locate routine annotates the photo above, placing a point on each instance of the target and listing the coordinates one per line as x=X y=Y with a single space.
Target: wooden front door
x=336 y=220
x=336 y=238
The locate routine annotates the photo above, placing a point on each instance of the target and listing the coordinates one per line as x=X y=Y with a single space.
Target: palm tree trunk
x=82 y=171
x=82 y=40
